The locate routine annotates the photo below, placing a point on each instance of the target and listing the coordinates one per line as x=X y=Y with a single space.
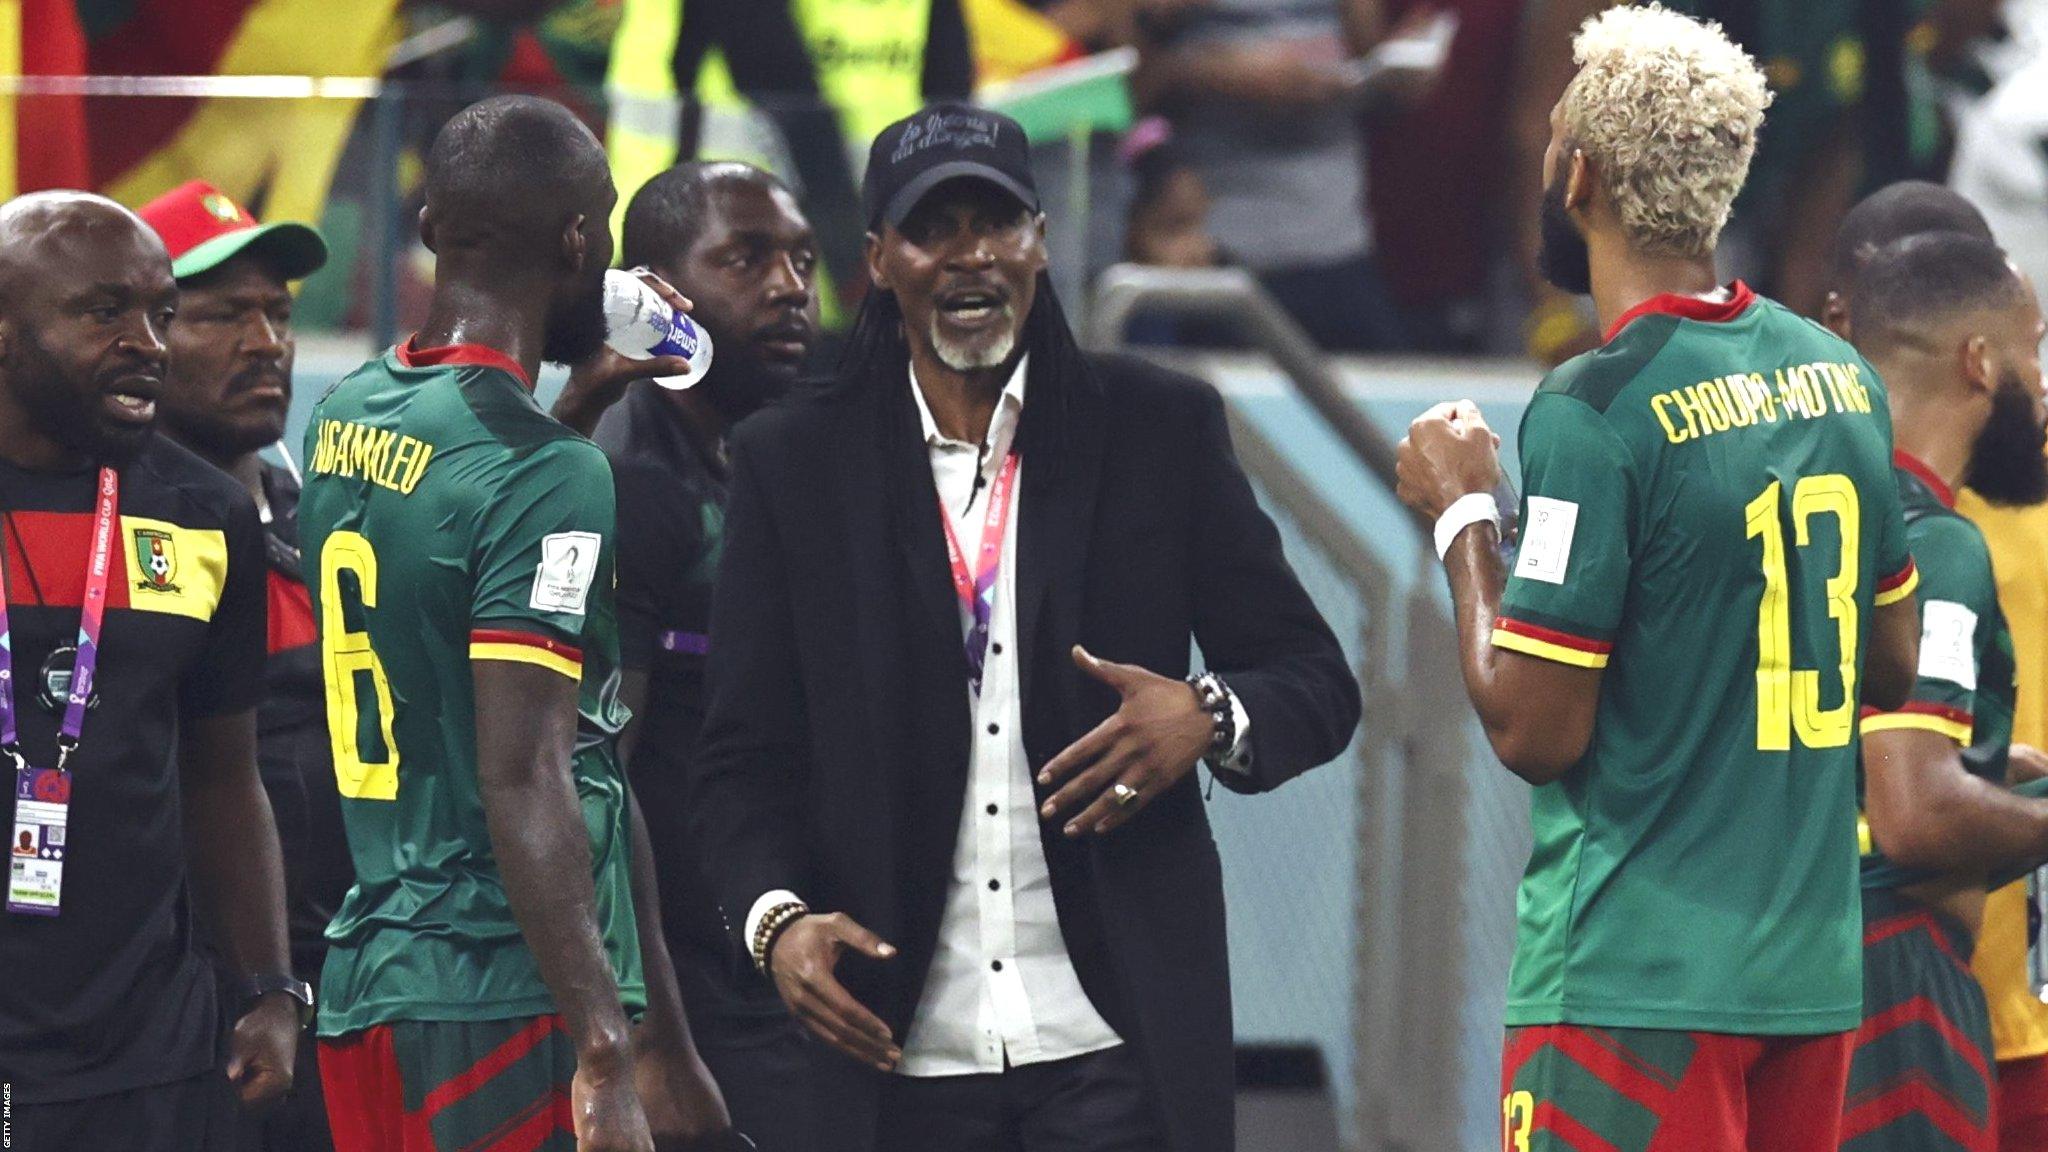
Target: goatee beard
x=2007 y=464
x=968 y=358
x=1562 y=255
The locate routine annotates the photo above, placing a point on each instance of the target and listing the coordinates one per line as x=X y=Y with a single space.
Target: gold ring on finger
x=1124 y=793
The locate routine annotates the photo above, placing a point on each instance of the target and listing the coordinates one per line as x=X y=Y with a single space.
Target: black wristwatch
x=257 y=987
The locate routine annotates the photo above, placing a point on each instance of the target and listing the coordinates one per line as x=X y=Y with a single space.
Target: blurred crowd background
x=1374 y=163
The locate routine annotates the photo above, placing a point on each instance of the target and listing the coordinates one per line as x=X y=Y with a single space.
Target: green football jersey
x=447 y=519
x=1710 y=516
x=1966 y=688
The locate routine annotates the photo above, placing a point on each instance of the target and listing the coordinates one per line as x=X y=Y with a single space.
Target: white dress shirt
x=1001 y=989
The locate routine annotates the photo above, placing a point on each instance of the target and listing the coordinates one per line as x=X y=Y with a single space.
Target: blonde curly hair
x=1667 y=108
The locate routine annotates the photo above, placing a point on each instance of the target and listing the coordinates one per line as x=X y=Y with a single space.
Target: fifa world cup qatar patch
x=1948 y=648
x=1546 y=549
x=568 y=564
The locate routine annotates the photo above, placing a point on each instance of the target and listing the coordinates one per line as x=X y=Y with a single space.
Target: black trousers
x=762 y=1066
x=1094 y=1103
x=193 y=1115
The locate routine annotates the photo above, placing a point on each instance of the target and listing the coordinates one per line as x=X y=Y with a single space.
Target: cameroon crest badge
x=157 y=559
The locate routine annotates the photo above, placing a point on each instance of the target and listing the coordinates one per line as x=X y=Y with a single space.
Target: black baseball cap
x=945 y=142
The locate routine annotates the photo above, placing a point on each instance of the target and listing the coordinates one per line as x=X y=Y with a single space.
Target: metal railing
x=1416 y=1072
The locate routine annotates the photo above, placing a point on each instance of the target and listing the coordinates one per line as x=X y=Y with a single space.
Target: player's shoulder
x=1596 y=378
x=1953 y=557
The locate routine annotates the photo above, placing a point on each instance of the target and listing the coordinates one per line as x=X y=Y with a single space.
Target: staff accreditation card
x=42 y=801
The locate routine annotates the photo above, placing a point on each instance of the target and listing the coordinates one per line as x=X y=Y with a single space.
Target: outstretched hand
x=1153 y=740
x=803 y=963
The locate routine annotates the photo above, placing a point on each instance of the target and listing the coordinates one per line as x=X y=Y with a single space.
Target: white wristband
x=1465 y=511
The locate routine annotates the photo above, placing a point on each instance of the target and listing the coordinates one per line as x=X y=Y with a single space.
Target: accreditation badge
x=42 y=808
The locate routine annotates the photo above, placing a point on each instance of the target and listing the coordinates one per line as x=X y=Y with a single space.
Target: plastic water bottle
x=641 y=325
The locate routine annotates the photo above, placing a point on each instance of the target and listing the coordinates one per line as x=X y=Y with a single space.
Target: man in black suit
x=956 y=820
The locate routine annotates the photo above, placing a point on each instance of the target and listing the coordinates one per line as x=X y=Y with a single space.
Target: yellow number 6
x=343 y=654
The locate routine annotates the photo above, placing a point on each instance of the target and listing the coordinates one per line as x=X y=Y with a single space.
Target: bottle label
x=678 y=336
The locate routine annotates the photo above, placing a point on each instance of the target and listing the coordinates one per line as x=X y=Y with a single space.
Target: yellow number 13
x=1517 y=1117
x=1788 y=699
x=344 y=655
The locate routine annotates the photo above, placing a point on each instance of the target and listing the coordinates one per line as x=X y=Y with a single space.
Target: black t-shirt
x=109 y=994
x=671 y=528
x=293 y=750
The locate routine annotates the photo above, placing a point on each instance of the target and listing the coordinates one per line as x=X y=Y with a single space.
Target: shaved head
x=1956 y=333
x=86 y=296
x=1913 y=291
x=508 y=171
x=30 y=225
x=519 y=193
x=1894 y=212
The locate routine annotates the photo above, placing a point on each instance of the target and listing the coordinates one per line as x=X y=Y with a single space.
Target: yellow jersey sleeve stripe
x=1899 y=591
x=1531 y=646
x=527 y=654
x=1956 y=730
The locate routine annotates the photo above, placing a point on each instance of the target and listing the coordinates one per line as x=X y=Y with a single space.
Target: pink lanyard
x=977 y=589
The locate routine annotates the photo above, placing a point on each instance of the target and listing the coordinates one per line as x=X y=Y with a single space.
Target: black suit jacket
x=834 y=760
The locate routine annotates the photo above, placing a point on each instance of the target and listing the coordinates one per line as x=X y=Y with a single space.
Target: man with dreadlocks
x=955 y=818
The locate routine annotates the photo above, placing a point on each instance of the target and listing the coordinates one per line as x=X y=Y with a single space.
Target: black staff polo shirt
x=109 y=994
x=671 y=527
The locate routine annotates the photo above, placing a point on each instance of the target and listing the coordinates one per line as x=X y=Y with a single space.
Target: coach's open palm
x=803 y=963
x=1153 y=740
x=607 y=1112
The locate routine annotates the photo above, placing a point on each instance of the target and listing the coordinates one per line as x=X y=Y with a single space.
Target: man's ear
x=1578 y=181
x=427 y=230
x=1834 y=314
x=1979 y=371
x=575 y=248
x=874 y=261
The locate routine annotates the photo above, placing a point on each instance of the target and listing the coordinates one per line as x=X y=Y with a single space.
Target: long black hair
x=877 y=355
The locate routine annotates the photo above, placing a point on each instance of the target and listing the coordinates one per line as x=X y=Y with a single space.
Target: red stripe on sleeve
x=1553 y=636
x=1904 y=574
x=545 y=644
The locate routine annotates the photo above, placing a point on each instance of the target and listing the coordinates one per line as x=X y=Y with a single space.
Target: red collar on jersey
x=1902 y=459
x=413 y=357
x=1690 y=308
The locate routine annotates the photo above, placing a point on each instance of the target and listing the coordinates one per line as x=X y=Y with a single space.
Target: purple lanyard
x=977 y=588
x=91 y=616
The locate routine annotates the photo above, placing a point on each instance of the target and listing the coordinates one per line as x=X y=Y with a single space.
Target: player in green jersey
x=503 y=925
x=1712 y=571
x=1956 y=331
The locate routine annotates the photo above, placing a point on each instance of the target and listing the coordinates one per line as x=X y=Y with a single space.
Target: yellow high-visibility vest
x=869 y=57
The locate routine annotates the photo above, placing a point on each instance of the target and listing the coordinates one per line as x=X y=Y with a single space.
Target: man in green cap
x=225 y=398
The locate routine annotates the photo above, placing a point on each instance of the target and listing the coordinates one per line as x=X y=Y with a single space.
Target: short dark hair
x=668 y=214
x=1894 y=212
x=505 y=172
x=1912 y=284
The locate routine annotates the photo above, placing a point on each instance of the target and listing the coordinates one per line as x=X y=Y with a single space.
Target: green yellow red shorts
x=437 y=1086
x=1921 y=1080
x=1571 y=1088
